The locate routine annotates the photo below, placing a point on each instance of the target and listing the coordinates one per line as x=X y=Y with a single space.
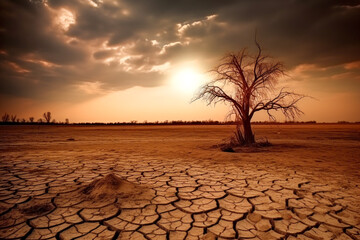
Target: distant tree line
x=12 y=119
x=46 y=119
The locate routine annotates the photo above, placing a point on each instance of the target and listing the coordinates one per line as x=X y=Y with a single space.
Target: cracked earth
x=169 y=184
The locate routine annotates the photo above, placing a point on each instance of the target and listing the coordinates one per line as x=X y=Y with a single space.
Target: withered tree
x=13 y=118
x=5 y=118
x=247 y=83
x=47 y=117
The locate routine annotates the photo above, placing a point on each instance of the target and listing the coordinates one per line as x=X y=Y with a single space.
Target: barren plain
x=172 y=182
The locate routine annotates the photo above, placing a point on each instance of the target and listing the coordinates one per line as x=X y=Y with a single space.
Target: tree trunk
x=248 y=134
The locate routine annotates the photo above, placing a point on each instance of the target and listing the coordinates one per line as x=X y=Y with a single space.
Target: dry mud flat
x=169 y=183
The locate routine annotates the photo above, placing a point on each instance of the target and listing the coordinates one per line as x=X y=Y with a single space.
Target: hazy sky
x=143 y=59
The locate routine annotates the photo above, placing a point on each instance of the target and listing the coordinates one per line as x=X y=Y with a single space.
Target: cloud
x=343 y=78
x=28 y=28
x=51 y=46
x=103 y=54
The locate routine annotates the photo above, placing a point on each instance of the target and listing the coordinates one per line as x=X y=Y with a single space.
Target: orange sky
x=112 y=61
x=168 y=103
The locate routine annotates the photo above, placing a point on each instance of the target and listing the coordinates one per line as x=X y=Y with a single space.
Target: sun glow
x=187 y=80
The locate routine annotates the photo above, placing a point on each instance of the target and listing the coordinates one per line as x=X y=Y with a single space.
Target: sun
x=186 y=79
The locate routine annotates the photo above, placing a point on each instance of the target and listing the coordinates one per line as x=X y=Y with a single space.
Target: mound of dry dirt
x=111 y=186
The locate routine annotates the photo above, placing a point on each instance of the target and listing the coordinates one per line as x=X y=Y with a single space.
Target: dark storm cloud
x=103 y=54
x=178 y=11
x=25 y=29
x=120 y=44
x=321 y=32
x=317 y=32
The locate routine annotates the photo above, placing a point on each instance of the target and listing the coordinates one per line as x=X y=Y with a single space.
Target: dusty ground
x=151 y=182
